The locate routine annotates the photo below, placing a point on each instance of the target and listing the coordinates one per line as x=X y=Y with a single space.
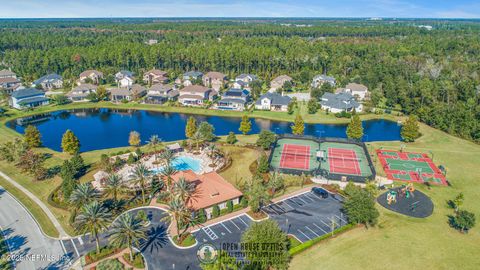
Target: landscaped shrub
x=113 y=264
x=92 y=256
x=230 y=206
x=263 y=166
x=137 y=260
x=216 y=211
x=202 y=217
x=244 y=202
x=297 y=249
x=131 y=159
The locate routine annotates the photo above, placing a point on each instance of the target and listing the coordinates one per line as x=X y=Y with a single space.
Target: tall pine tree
x=354 y=128
x=410 y=130
x=245 y=125
x=298 y=126
x=70 y=143
x=32 y=137
x=191 y=127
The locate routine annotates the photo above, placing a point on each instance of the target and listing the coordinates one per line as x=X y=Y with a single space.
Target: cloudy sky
x=239 y=8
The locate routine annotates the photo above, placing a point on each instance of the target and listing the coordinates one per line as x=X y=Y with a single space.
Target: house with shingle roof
x=27 y=98
x=196 y=95
x=243 y=81
x=358 y=90
x=191 y=77
x=136 y=91
x=215 y=80
x=279 y=81
x=5 y=73
x=49 y=82
x=319 y=80
x=81 y=92
x=155 y=76
x=94 y=75
x=161 y=93
x=273 y=102
x=341 y=102
x=124 y=78
x=234 y=99
x=210 y=190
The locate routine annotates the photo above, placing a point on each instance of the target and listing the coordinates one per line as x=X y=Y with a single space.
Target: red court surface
x=295 y=157
x=343 y=161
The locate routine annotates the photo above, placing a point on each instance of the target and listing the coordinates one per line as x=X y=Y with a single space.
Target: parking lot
x=308 y=215
x=227 y=231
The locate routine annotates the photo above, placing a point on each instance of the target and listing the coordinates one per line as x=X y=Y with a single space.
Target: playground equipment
x=391 y=197
x=407 y=191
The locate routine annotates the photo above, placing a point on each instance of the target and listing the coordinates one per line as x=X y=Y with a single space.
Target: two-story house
x=81 y=92
x=340 y=102
x=196 y=95
x=214 y=80
x=273 y=102
x=136 y=91
x=155 y=76
x=279 y=81
x=161 y=93
x=124 y=78
x=49 y=82
x=8 y=81
x=243 y=81
x=319 y=80
x=234 y=99
x=27 y=98
x=94 y=76
x=191 y=77
x=359 y=91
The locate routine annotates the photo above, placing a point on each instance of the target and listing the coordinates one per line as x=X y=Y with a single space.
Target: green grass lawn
x=408 y=243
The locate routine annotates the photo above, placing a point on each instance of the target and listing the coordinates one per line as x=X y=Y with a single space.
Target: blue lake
x=108 y=128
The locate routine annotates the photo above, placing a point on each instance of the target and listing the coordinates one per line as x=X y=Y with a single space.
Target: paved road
x=34 y=198
x=31 y=249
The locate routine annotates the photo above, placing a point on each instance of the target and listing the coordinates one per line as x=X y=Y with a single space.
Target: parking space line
x=75 y=247
x=289 y=205
x=312 y=231
x=301 y=199
x=325 y=223
x=80 y=240
x=319 y=227
x=293 y=202
x=271 y=208
x=234 y=224
x=226 y=227
x=304 y=234
x=341 y=219
x=243 y=221
x=304 y=196
x=309 y=195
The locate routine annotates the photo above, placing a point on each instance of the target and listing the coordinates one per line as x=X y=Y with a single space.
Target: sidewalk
x=118 y=256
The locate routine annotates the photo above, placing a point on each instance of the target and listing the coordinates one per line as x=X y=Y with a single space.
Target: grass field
x=401 y=242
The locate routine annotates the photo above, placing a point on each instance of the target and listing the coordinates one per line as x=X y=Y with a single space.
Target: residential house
x=340 y=102
x=151 y=42
x=27 y=98
x=196 y=95
x=243 y=81
x=94 y=76
x=210 y=190
x=319 y=80
x=155 y=76
x=127 y=93
x=191 y=77
x=273 y=102
x=49 y=82
x=161 y=93
x=81 y=92
x=234 y=99
x=5 y=73
x=360 y=91
x=279 y=81
x=124 y=78
x=215 y=80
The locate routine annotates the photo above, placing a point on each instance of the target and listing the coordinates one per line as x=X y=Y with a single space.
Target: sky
x=240 y=8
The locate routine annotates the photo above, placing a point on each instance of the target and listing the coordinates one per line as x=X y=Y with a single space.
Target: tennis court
x=295 y=154
x=345 y=159
x=410 y=167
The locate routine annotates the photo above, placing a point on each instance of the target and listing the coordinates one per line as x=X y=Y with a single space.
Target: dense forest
x=433 y=74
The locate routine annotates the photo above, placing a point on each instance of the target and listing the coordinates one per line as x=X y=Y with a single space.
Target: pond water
x=108 y=128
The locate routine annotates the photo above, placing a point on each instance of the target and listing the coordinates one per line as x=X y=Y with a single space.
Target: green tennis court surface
x=345 y=158
x=287 y=156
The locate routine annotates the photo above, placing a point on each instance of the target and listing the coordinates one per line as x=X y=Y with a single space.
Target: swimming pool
x=183 y=163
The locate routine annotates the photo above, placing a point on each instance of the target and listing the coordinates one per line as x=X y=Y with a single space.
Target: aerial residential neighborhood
x=215 y=135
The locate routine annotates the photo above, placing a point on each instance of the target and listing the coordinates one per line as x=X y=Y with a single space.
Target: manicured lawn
x=242 y=157
x=407 y=243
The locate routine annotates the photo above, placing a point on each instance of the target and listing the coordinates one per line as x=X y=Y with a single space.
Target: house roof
x=197 y=97
x=324 y=78
x=6 y=72
x=232 y=100
x=275 y=99
x=9 y=80
x=161 y=87
x=211 y=189
x=120 y=91
x=235 y=92
x=157 y=72
x=243 y=76
x=357 y=87
x=137 y=89
x=193 y=74
x=87 y=73
x=85 y=87
x=27 y=92
x=48 y=78
x=339 y=101
x=124 y=73
x=195 y=88
x=282 y=78
x=215 y=75
x=32 y=100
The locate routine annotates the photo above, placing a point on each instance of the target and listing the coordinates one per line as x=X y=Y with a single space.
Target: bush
x=113 y=264
x=244 y=202
x=231 y=138
x=343 y=114
x=463 y=221
x=265 y=139
x=137 y=260
x=263 y=166
x=92 y=256
x=131 y=159
x=215 y=211
x=230 y=206
x=202 y=217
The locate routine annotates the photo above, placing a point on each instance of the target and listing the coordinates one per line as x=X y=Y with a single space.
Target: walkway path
x=44 y=207
x=30 y=248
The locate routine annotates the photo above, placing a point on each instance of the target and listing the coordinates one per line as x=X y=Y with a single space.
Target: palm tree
x=167 y=173
x=127 y=230
x=83 y=194
x=93 y=219
x=183 y=189
x=140 y=176
x=179 y=212
x=114 y=185
x=167 y=156
x=154 y=141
